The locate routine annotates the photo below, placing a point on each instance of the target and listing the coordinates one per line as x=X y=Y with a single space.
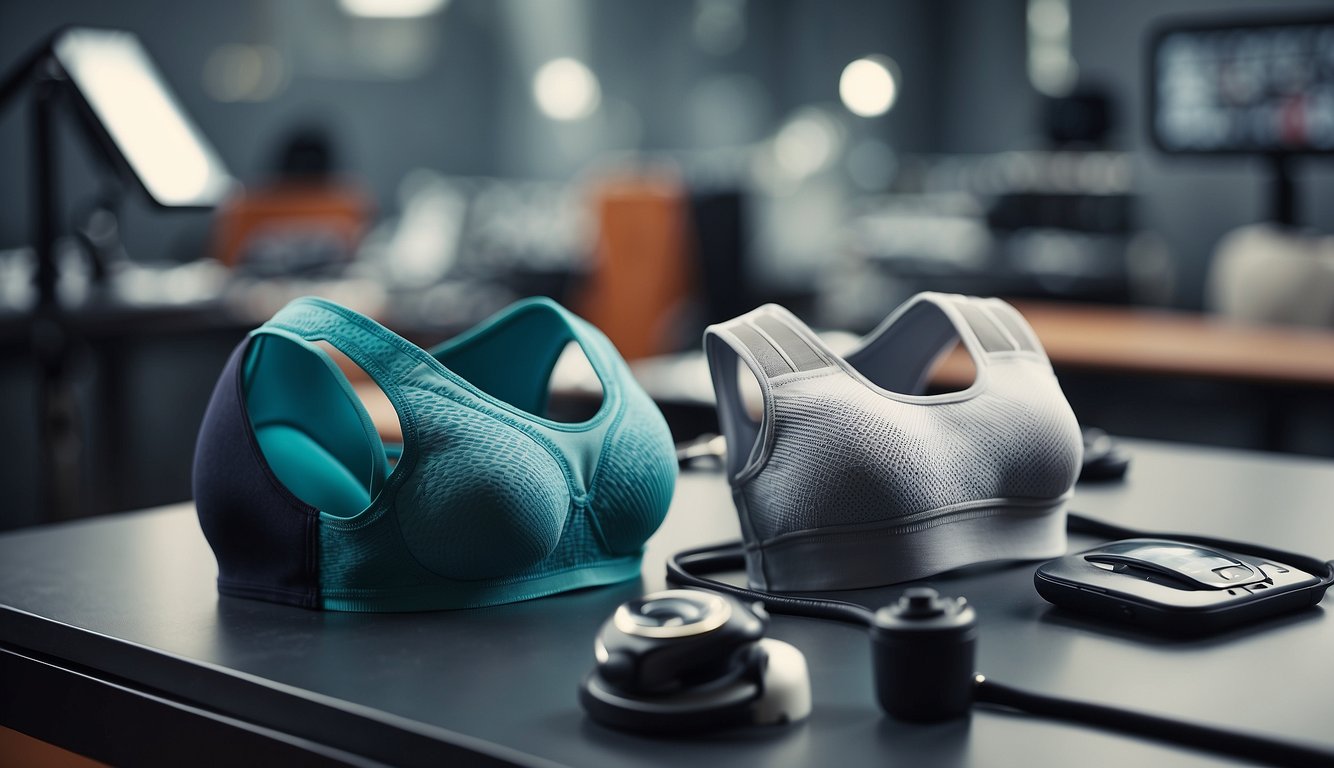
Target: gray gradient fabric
x=850 y=477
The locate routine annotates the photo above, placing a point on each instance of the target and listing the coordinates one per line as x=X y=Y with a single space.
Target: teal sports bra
x=489 y=502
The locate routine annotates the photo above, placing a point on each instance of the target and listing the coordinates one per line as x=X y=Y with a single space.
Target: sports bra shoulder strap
x=383 y=354
x=772 y=342
x=512 y=354
x=1021 y=334
x=602 y=354
x=898 y=355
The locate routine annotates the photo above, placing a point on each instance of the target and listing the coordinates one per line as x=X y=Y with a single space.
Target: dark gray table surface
x=132 y=596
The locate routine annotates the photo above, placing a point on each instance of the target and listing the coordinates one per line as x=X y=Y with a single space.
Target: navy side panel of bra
x=266 y=539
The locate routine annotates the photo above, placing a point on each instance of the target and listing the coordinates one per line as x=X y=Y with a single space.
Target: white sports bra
x=852 y=478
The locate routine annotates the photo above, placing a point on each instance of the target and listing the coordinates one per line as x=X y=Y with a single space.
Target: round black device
x=923 y=651
x=686 y=660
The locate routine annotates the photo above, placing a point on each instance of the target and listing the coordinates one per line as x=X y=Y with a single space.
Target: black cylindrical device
x=923 y=648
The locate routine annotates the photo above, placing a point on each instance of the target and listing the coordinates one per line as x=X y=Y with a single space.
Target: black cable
x=1258 y=748
x=731 y=557
x=687 y=569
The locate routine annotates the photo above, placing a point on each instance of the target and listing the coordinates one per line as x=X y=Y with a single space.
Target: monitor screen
x=1256 y=88
x=128 y=97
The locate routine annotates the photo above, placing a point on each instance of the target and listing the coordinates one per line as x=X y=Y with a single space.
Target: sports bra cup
x=470 y=529
x=623 y=470
x=488 y=502
x=853 y=478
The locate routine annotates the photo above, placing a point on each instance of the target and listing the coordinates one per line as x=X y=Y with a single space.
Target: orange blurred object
x=642 y=274
x=334 y=216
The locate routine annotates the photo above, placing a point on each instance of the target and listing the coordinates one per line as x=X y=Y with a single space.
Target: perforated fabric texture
x=843 y=454
x=848 y=485
x=483 y=500
x=634 y=484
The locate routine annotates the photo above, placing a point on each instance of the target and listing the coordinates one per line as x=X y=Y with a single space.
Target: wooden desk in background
x=1164 y=343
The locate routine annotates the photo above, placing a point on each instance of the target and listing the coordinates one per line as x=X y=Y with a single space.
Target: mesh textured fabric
x=634 y=483
x=482 y=502
x=843 y=454
x=866 y=486
x=488 y=503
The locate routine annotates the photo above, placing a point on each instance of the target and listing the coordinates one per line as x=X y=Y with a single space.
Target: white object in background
x=424 y=245
x=1263 y=274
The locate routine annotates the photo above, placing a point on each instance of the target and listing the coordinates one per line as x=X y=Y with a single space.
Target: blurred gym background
x=661 y=165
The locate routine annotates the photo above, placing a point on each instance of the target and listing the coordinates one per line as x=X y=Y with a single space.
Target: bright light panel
x=168 y=155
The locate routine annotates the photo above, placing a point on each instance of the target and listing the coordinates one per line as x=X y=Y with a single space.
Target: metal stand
x=52 y=335
x=59 y=442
